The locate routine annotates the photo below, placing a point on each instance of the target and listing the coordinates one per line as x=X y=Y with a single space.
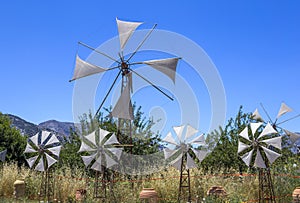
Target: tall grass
x=166 y=183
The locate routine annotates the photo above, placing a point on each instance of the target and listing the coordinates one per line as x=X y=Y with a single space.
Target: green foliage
x=12 y=140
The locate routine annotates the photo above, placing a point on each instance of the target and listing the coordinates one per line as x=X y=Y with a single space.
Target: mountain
x=30 y=129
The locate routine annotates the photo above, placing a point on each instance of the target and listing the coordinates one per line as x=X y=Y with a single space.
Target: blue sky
x=254 y=45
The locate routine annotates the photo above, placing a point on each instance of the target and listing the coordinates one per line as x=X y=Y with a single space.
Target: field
x=239 y=188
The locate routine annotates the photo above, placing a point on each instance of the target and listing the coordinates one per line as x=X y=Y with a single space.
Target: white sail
x=244 y=134
x=83 y=69
x=88 y=159
x=293 y=136
x=179 y=132
x=52 y=140
x=190 y=131
x=117 y=152
x=40 y=165
x=169 y=152
x=55 y=150
x=109 y=161
x=259 y=162
x=198 y=140
x=283 y=109
x=96 y=166
x=86 y=148
x=190 y=162
x=32 y=160
x=50 y=160
x=247 y=157
x=165 y=66
x=177 y=162
x=275 y=142
x=242 y=146
x=271 y=155
x=254 y=127
x=267 y=131
x=169 y=139
x=126 y=29
x=34 y=139
x=112 y=140
x=29 y=149
x=92 y=137
x=102 y=135
x=200 y=154
x=256 y=115
x=45 y=135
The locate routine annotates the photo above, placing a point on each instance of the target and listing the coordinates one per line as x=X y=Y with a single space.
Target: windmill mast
x=184 y=191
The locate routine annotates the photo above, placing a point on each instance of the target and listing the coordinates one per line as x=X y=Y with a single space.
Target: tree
x=12 y=140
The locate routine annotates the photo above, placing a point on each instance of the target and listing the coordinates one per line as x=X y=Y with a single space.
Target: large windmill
x=180 y=157
x=125 y=68
x=276 y=123
x=101 y=155
x=42 y=151
x=259 y=146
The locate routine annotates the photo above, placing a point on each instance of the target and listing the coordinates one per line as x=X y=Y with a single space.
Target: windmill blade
x=177 y=162
x=259 y=162
x=92 y=138
x=109 y=161
x=55 y=150
x=117 y=152
x=44 y=136
x=112 y=140
x=244 y=134
x=198 y=140
x=275 y=142
x=83 y=69
x=53 y=140
x=267 y=131
x=247 y=157
x=179 y=132
x=257 y=116
x=283 y=110
x=102 y=135
x=123 y=108
x=271 y=155
x=32 y=160
x=34 y=139
x=254 y=127
x=169 y=139
x=88 y=159
x=242 y=146
x=190 y=163
x=86 y=148
x=29 y=149
x=40 y=165
x=190 y=131
x=166 y=66
x=293 y=136
x=50 y=160
x=126 y=29
x=97 y=164
x=2 y=155
x=200 y=154
x=169 y=152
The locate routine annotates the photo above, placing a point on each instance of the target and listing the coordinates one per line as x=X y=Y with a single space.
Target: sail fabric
x=86 y=148
x=123 y=108
x=242 y=146
x=126 y=29
x=92 y=137
x=275 y=142
x=32 y=160
x=109 y=161
x=96 y=166
x=169 y=152
x=112 y=140
x=83 y=69
x=200 y=154
x=102 y=135
x=254 y=127
x=271 y=155
x=29 y=149
x=50 y=160
x=244 y=134
x=267 y=131
x=117 y=152
x=52 y=140
x=2 y=155
x=259 y=162
x=247 y=157
x=198 y=140
x=34 y=139
x=165 y=66
x=55 y=150
x=283 y=109
x=179 y=132
x=177 y=162
x=44 y=136
x=257 y=116
x=293 y=136
x=88 y=159
x=190 y=162
x=190 y=131
x=169 y=139
x=40 y=165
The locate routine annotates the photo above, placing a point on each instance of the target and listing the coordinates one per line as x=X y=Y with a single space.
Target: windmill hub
x=124 y=68
x=184 y=147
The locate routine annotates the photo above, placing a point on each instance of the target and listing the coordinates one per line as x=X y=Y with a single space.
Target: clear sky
x=254 y=45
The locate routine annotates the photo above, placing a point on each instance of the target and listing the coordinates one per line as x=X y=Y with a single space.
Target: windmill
x=101 y=155
x=43 y=151
x=276 y=124
x=123 y=109
x=181 y=156
x=260 y=149
x=2 y=159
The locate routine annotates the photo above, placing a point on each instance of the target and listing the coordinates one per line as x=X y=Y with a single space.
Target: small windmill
x=43 y=151
x=102 y=154
x=276 y=124
x=123 y=109
x=2 y=159
x=180 y=156
x=260 y=149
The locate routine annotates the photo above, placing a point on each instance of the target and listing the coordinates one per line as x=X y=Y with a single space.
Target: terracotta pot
x=217 y=190
x=296 y=195
x=149 y=193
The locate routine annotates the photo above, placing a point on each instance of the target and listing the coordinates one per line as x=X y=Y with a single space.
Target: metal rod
x=289 y=119
x=99 y=52
x=262 y=106
x=108 y=93
x=152 y=85
x=142 y=42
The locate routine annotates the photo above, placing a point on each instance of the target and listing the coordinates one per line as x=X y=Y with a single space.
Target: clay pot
x=80 y=194
x=217 y=191
x=296 y=195
x=149 y=194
